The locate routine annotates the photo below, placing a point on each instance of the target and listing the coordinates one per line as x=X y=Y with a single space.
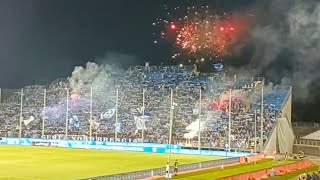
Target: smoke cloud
x=91 y=75
x=98 y=76
x=287 y=43
x=193 y=129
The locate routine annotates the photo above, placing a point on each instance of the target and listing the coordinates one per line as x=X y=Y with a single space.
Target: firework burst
x=197 y=33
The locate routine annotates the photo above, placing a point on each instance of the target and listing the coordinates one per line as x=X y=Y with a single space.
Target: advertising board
x=42 y=143
x=118 y=146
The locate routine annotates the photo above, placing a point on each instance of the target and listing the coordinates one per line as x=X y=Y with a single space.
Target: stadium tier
x=136 y=105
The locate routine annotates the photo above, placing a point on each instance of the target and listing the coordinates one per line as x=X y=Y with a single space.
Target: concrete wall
x=307 y=149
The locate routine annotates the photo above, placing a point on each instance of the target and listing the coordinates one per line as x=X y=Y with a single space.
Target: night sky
x=41 y=40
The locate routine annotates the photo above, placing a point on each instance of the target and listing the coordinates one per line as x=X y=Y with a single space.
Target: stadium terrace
x=138 y=105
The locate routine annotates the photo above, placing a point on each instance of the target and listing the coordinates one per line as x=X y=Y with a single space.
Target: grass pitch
x=39 y=163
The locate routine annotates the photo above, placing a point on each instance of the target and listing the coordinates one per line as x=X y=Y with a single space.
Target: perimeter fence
x=136 y=175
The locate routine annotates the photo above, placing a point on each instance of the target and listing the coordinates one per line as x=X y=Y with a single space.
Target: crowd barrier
x=121 y=146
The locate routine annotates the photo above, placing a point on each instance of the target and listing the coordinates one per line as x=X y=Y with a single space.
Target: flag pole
x=20 y=122
x=44 y=111
x=255 y=134
x=199 y=125
x=67 y=114
x=170 y=128
x=90 y=122
x=143 y=119
x=229 y=133
x=116 y=132
x=261 y=118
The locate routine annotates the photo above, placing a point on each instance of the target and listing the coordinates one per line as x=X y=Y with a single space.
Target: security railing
x=161 y=171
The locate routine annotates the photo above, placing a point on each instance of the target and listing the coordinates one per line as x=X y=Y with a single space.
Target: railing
x=161 y=171
x=306 y=124
x=309 y=142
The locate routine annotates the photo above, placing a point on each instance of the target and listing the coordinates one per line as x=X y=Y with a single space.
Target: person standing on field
x=176 y=166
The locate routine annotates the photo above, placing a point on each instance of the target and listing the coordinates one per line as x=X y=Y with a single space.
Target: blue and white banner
x=144 y=115
x=119 y=127
x=218 y=67
x=108 y=114
x=74 y=123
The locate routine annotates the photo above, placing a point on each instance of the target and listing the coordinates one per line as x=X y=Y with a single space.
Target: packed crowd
x=149 y=87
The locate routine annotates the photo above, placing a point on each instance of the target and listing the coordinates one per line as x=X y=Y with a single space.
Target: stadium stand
x=58 y=104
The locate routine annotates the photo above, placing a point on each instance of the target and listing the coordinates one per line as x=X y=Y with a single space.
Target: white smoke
x=98 y=76
x=193 y=129
x=209 y=117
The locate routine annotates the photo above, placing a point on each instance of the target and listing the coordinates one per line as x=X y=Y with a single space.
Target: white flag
x=140 y=122
x=195 y=111
x=94 y=124
x=27 y=121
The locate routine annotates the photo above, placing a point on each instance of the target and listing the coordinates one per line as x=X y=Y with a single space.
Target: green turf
x=229 y=171
x=63 y=164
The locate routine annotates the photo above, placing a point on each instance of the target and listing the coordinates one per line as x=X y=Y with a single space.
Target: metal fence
x=306 y=124
x=161 y=171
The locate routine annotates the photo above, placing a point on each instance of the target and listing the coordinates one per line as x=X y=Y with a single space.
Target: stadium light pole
x=261 y=117
x=20 y=122
x=143 y=119
x=67 y=113
x=170 y=128
x=229 y=133
x=116 y=132
x=199 y=125
x=44 y=111
x=90 y=122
